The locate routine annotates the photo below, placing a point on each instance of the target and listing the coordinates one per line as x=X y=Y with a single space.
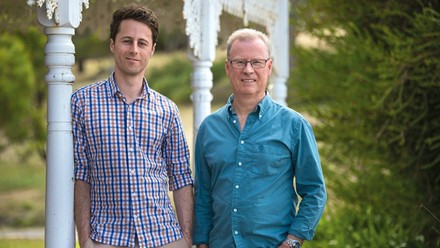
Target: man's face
x=132 y=48
x=248 y=81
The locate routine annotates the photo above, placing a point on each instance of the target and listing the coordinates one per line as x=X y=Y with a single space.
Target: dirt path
x=26 y=233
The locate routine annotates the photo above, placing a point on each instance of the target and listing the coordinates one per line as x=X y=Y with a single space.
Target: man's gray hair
x=247 y=34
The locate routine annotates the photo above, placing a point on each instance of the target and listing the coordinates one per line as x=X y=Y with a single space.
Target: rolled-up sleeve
x=177 y=155
x=81 y=164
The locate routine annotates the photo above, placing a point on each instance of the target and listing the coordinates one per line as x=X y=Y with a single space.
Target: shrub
x=376 y=93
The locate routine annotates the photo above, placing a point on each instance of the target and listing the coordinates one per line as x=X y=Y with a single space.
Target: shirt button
x=240 y=164
x=242 y=142
x=236 y=232
x=235 y=210
x=234 y=121
x=132 y=172
x=237 y=186
x=133 y=195
x=130 y=148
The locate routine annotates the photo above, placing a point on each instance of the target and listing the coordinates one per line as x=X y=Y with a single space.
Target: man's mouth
x=248 y=80
x=131 y=59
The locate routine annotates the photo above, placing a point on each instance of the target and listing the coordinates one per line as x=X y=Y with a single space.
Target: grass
x=22 y=187
x=19 y=177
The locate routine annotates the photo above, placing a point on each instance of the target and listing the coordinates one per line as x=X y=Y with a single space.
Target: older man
x=252 y=158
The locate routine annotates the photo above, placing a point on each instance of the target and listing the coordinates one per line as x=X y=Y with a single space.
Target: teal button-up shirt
x=244 y=190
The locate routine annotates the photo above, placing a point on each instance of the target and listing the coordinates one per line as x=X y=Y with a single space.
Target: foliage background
x=371 y=87
x=375 y=89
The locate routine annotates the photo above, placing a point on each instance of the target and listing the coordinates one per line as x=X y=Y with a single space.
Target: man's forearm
x=82 y=210
x=184 y=202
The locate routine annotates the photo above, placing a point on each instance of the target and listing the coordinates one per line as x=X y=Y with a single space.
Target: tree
x=16 y=88
x=376 y=92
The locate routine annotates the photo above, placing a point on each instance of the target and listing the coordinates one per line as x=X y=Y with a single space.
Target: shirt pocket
x=269 y=160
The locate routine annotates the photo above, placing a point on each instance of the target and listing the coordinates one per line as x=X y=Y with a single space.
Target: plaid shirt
x=129 y=154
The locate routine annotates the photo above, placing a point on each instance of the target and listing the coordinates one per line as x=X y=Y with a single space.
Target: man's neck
x=131 y=87
x=243 y=106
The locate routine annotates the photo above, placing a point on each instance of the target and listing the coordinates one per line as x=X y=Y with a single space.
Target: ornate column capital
x=65 y=13
x=202 y=26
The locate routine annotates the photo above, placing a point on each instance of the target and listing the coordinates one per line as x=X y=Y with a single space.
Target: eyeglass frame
x=231 y=61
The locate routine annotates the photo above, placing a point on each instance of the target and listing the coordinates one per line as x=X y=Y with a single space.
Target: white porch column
x=279 y=34
x=60 y=18
x=201 y=82
x=202 y=18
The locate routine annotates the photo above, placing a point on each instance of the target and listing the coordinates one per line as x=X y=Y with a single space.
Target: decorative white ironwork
x=202 y=25
x=263 y=12
x=55 y=11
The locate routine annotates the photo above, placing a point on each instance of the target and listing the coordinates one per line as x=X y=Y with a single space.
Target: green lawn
x=22 y=186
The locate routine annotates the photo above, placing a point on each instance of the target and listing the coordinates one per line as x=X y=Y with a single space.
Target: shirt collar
x=114 y=89
x=261 y=108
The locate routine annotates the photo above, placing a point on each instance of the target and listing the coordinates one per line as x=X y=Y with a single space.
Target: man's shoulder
x=219 y=113
x=160 y=98
x=287 y=114
x=215 y=118
x=90 y=88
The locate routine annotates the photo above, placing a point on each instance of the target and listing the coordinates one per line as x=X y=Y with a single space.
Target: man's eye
x=240 y=62
x=257 y=63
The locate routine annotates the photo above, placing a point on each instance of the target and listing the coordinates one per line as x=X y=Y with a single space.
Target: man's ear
x=269 y=64
x=227 y=67
x=112 y=45
x=153 y=49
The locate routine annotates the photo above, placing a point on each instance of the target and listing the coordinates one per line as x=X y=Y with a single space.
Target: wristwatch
x=293 y=243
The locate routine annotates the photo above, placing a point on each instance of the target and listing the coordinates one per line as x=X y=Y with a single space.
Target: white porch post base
x=278 y=90
x=201 y=96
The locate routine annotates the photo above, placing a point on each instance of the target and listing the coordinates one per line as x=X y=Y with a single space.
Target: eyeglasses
x=255 y=63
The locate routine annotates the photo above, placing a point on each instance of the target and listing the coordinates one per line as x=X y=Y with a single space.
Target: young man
x=248 y=154
x=129 y=149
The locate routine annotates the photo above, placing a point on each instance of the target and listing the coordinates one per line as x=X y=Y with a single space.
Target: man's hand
x=184 y=202
x=82 y=212
x=290 y=236
x=188 y=241
x=284 y=245
x=88 y=244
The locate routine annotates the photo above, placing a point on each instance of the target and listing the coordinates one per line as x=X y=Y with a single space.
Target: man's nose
x=134 y=48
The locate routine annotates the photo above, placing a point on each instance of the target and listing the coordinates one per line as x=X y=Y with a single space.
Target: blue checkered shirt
x=131 y=154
